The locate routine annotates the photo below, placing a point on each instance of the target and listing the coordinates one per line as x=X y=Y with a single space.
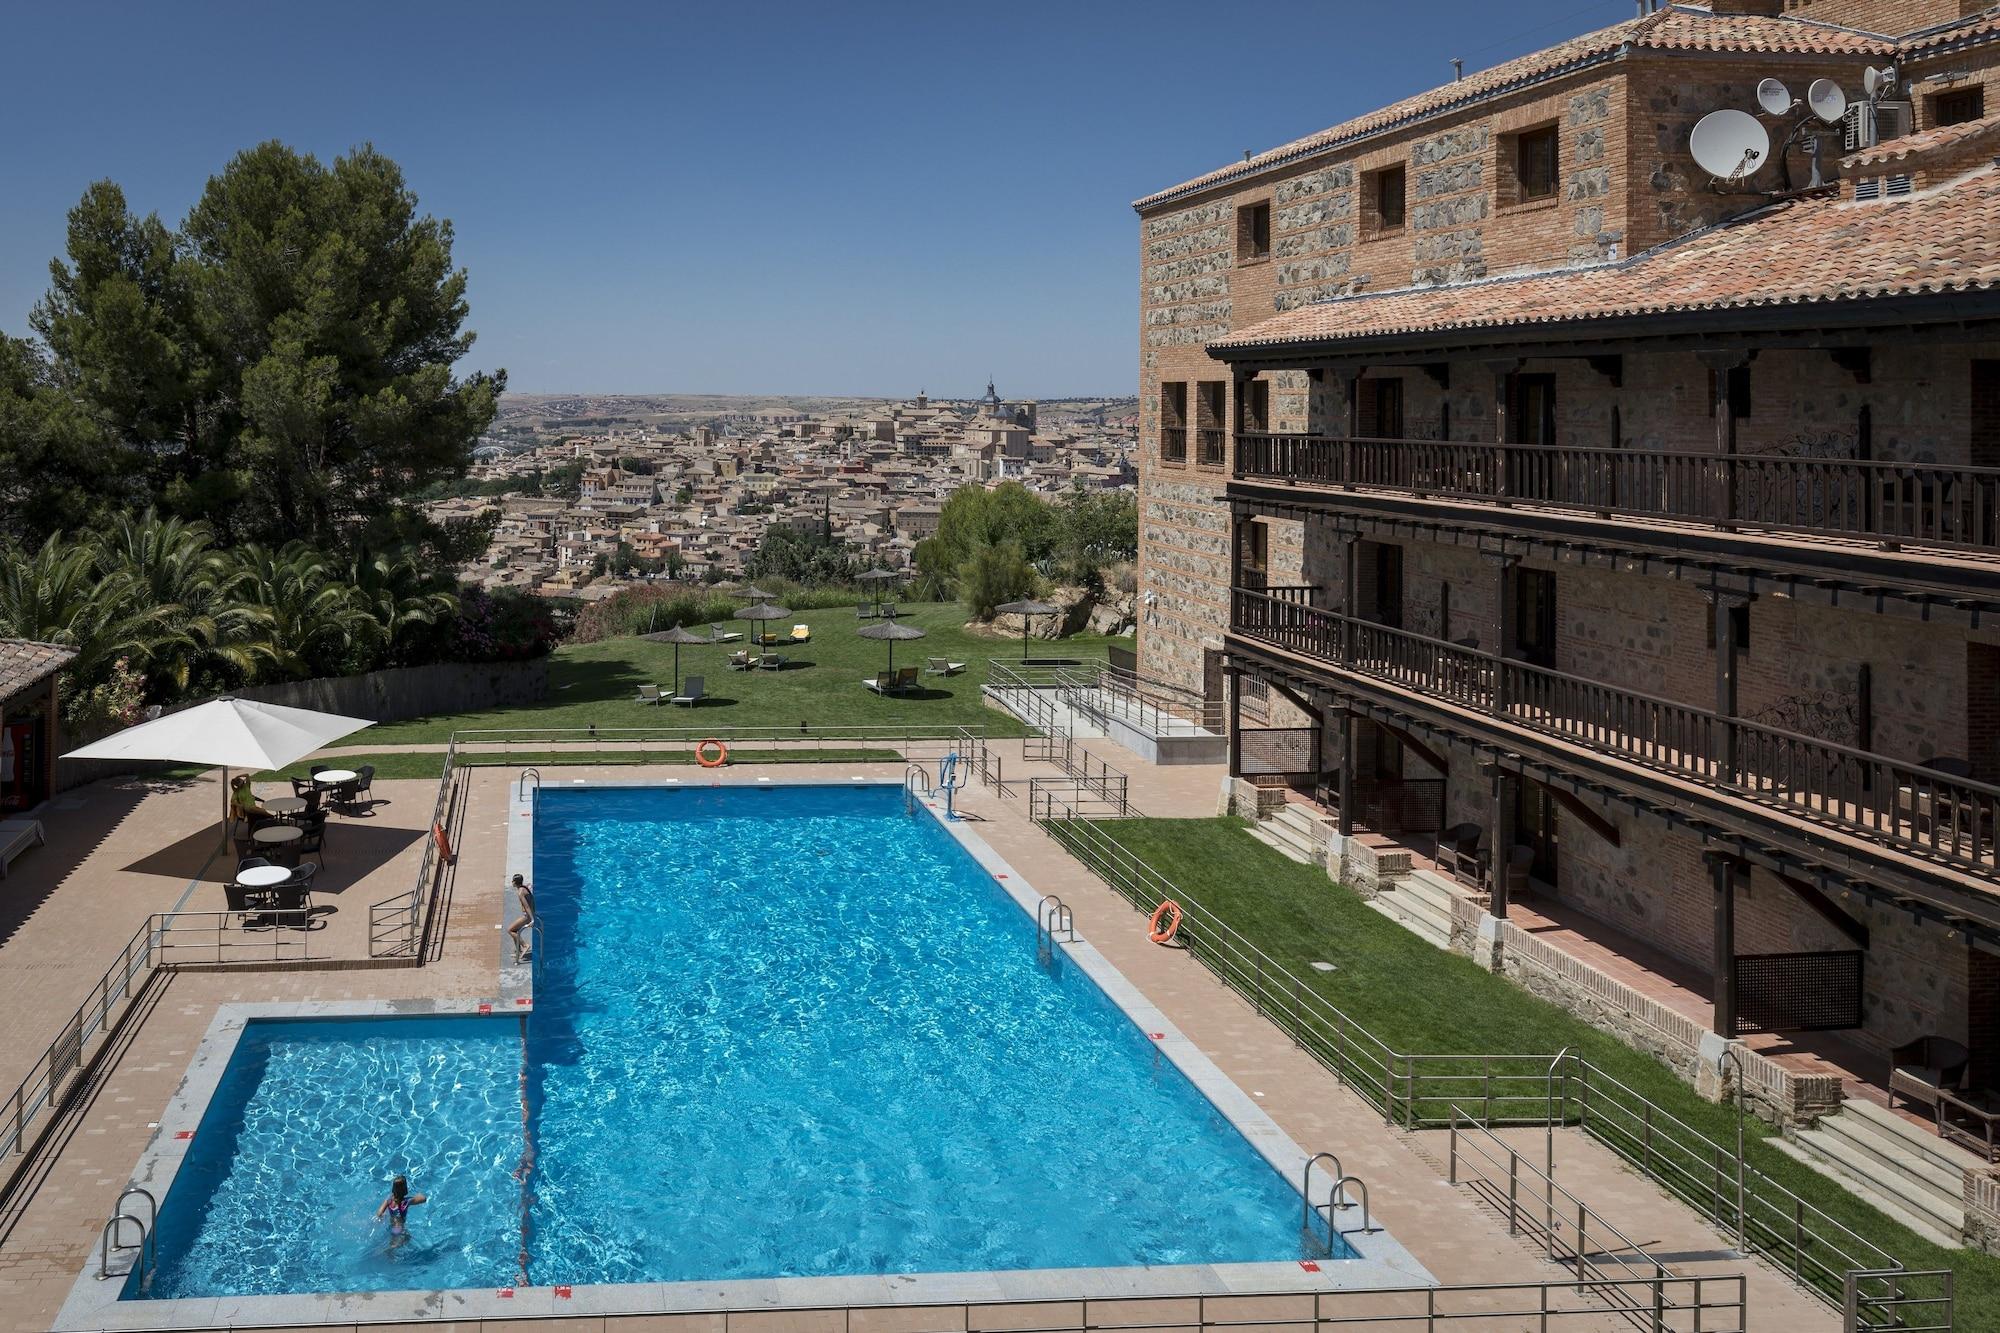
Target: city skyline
x=858 y=205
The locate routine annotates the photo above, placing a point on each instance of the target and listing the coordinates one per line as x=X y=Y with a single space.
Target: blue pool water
x=777 y=1031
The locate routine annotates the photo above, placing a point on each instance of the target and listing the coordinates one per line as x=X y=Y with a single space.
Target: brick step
x=1304 y=826
x=1920 y=1140
x=1881 y=1183
x=1416 y=915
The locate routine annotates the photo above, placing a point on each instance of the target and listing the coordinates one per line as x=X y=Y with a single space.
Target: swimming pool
x=783 y=1031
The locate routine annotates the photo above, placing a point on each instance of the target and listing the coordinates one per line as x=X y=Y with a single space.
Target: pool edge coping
x=94 y=1304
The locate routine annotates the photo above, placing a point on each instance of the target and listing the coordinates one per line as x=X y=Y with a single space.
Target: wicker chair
x=1457 y=852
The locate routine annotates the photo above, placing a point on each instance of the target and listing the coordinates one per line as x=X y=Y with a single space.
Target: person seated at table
x=246 y=804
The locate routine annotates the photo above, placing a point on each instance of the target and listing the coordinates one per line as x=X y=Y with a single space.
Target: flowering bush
x=119 y=699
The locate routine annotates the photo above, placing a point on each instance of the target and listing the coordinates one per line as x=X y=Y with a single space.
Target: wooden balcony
x=1886 y=503
x=1213 y=446
x=1173 y=444
x=1937 y=816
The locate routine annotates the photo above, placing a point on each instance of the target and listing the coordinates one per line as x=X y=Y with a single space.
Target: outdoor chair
x=16 y=836
x=306 y=790
x=1920 y=1070
x=717 y=634
x=740 y=661
x=884 y=682
x=801 y=634
x=906 y=679
x=314 y=842
x=770 y=661
x=1457 y=853
x=938 y=666
x=866 y=612
x=1520 y=861
x=251 y=863
x=691 y=691
x=889 y=611
x=648 y=694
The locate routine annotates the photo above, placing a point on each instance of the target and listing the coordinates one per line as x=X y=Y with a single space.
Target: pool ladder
x=521 y=787
x=916 y=786
x=146 y=1254
x=1052 y=914
x=1338 y=1199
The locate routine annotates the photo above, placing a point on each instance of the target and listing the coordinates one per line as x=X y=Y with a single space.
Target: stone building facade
x=1647 y=522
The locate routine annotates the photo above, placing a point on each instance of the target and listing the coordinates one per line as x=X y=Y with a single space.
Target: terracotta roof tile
x=1923 y=143
x=1678 y=28
x=25 y=664
x=1822 y=249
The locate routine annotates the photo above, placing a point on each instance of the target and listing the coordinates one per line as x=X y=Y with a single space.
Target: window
x=1255 y=563
x=1173 y=422
x=1211 y=412
x=1535 y=616
x=1253 y=407
x=1958 y=106
x=1739 y=392
x=1739 y=629
x=1387 y=194
x=1387 y=398
x=1389 y=585
x=1531 y=409
x=1535 y=164
x=1253 y=232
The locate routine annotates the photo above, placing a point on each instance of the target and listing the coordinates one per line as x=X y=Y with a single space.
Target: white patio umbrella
x=226 y=734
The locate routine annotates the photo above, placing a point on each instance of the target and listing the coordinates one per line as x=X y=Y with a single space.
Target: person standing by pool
x=397 y=1209
x=526 y=893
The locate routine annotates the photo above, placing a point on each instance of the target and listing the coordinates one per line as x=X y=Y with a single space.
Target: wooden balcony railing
x=1173 y=444
x=1214 y=446
x=1948 y=818
x=1885 y=502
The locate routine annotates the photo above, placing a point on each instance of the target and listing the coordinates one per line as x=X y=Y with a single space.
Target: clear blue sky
x=736 y=197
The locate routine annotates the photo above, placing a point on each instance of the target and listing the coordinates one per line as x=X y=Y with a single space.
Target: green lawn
x=593 y=684
x=1421 y=1000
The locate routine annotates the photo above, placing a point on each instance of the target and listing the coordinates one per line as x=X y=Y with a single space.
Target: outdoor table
x=286 y=805
x=263 y=877
x=333 y=777
x=276 y=835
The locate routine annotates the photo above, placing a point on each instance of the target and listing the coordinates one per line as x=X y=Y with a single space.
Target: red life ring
x=1153 y=931
x=701 y=753
x=443 y=840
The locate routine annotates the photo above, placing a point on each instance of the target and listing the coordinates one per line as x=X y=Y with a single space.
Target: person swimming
x=397 y=1209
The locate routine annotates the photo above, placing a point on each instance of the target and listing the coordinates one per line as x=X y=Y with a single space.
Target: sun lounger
x=801 y=634
x=866 y=612
x=16 y=836
x=741 y=661
x=691 y=691
x=648 y=694
x=906 y=678
x=884 y=683
x=770 y=662
x=938 y=666
x=717 y=634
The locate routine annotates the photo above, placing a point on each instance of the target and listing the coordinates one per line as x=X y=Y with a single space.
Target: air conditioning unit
x=1893 y=120
x=1866 y=124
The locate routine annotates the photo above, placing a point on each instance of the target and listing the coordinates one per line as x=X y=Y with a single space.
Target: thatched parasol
x=762 y=611
x=891 y=630
x=676 y=636
x=1025 y=609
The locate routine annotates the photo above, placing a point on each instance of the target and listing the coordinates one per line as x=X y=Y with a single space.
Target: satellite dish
x=1878 y=83
x=1774 y=96
x=1729 y=144
x=1826 y=100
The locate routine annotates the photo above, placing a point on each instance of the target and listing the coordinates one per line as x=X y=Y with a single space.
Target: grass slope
x=428 y=763
x=593 y=684
x=1422 y=1000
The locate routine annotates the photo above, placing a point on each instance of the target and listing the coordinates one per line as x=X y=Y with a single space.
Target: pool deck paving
x=123 y=849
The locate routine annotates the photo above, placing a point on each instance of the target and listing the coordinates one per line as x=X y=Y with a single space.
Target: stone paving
x=123 y=850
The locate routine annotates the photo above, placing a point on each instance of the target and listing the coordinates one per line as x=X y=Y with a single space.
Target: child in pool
x=397 y=1209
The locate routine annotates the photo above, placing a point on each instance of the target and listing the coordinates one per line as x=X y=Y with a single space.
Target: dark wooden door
x=1535 y=828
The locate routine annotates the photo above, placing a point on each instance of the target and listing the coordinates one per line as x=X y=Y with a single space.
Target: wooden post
x=1727 y=650
x=1508 y=613
x=1500 y=831
x=1350 y=388
x=1721 y=364
x=1233 y=679
x=1346 y=784
x=1722 y=869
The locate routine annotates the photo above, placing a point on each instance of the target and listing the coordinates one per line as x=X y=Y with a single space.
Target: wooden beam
x=1575 y=805
x=1816 y=898
x=1856 y=361
x=1611 y=365
x=1423 y=751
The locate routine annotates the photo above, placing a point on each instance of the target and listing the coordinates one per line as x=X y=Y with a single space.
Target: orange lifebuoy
x=701 y=753
x=442 y=839
x=1153 y=931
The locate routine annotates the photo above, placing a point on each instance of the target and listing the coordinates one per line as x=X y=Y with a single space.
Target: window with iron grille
x=1534 y=164
x=1253 y=232
x=1173 y=422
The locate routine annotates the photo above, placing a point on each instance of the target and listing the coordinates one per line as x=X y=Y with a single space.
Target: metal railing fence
x=1424 y=1091
x=396 y=925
